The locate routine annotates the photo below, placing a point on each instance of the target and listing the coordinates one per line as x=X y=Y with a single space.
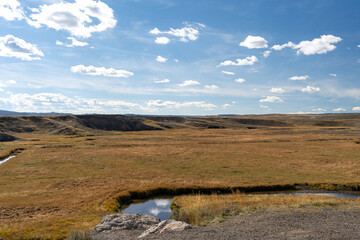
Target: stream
x=7 y=159
x=160 y=207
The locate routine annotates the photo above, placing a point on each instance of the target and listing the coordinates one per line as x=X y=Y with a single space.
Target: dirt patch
x=15 y=212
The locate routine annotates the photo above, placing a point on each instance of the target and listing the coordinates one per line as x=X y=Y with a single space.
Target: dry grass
x=204 y=209
x=59 y=182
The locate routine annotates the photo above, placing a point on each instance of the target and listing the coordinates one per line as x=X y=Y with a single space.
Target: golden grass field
x=204 y=209
x=64 y=182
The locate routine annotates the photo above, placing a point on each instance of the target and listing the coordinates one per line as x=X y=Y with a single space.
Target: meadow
x=60 y=182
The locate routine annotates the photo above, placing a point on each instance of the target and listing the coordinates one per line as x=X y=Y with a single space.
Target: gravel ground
x=300 y=223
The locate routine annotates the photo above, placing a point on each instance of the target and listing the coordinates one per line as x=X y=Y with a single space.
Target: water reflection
x=159 y=208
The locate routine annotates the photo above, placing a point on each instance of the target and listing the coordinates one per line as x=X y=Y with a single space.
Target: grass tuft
x=83 y=234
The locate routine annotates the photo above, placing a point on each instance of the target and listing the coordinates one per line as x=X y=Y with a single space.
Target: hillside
x=84 y=124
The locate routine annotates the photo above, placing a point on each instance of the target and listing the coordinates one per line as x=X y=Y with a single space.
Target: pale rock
x=166 y=226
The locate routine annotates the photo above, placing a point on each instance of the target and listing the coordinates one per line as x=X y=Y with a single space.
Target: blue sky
x=201 y=57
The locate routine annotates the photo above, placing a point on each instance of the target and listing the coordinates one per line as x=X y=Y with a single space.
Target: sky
x=171 y=57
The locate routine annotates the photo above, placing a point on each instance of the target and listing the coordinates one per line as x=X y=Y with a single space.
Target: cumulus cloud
x=321 y=45
x=240 y=62
x=98 y=71
x=319 y=110
x=189 y=83
x=190 y=32
x=226 y=105
x=74 y=43
x=80 y=18
x=11 y=10
x=11 y=46
x=48 y=102
x=228 y=73
x=161 y=59
x=356 y=108
x=172 y=104
x=162 y=81
x=211 y=87
x=45 y=102
x=271 y=99
x=333 y=74
x=277 y=90
x=240 y=80
x=339 y=109
x=266 y=54
x=11 y=82
x=162 y=40
x=254 y=42
x=310 y=89
x=296 y=78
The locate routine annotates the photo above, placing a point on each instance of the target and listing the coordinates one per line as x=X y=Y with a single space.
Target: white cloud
x=98 y=71
x=176 y=60
x=277 y=90
x=319 y=110
x=228 y=73
x=188 y=33
x=339 y=109
x=212 y=87
x=358 y=45
x=240 y=80
x=266 y=54
x=162 y=81
x=254 y=42
x=54 y=102
x=80 y=18
x=46 y=102
x=295 y=78
x=162 y=40
x=281 y=47
x=264 y=106
x=310 y=89
x=356 y=108
x=11 y=82
x=11 y=46
x=225 y=106
x=271 y=99
x=333 y=74
x=189 y=83
x=172 y=104
x=74 y=43
x=320 y=45
x=240 y=62
x=161 y=59
x=11 y=10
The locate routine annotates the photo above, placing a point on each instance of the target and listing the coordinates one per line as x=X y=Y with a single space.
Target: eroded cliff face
x=92 y=123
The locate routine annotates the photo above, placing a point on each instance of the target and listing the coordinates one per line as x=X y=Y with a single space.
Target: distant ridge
x=11 y=113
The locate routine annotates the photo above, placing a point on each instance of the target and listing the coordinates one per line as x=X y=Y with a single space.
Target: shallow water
x=160 y=208
x=7 y=159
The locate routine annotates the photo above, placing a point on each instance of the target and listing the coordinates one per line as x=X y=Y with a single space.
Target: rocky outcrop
x=166 y=226
x=117 y=224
